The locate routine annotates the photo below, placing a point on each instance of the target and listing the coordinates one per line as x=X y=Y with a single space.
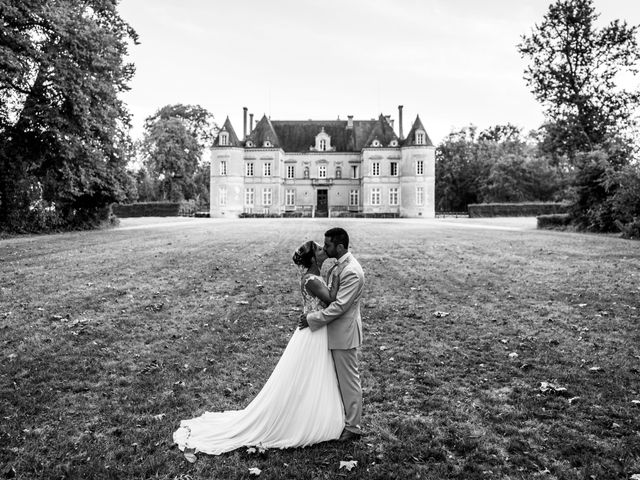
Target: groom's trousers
x=346 y=363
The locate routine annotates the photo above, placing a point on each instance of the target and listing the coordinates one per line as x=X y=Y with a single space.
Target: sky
x=452 y=62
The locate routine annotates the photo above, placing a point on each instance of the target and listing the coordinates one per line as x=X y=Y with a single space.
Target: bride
x=299 y=405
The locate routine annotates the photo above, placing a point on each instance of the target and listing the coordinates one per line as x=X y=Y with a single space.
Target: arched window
x=323 y=145
x=306 y=172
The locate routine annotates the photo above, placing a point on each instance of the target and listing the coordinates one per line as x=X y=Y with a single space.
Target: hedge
x=147 y=209
x=553 y=221
x=531 y=209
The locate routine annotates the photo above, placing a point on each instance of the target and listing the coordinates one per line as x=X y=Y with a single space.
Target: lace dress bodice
x=310 y=303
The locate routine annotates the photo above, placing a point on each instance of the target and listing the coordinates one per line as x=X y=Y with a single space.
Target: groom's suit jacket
x=342 y=316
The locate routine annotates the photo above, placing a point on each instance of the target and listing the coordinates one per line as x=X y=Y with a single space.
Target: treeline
x=496 y=165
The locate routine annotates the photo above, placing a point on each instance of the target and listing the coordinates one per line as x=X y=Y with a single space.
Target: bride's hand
x=302 y=321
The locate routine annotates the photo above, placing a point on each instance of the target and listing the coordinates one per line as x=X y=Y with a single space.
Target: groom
x=344 y=326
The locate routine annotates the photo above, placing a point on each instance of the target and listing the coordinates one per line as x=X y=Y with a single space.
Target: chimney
x=244 y=125
x=250 y=122
x=401 y=136
x=349 y=121
x=389 y=120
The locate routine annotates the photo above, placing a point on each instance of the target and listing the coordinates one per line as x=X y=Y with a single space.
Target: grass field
x=108 y=339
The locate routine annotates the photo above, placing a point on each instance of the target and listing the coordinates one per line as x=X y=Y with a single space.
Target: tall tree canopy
x=494 y=165
x=175 y=138
x=63 y=129
x=574 y=71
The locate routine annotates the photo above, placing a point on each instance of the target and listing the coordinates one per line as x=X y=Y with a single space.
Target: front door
x=322 y=208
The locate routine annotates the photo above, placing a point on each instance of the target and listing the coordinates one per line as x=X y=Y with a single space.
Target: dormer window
x=323 y=141
x=224 y=139
x=249 y=143
x=267 y=144
x=375 y=143
x=420 y=136
x=393 y=143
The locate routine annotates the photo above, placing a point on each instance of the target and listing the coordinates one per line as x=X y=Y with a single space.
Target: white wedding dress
x=299 y=405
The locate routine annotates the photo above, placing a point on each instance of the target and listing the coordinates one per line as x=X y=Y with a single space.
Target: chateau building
x=323 y=168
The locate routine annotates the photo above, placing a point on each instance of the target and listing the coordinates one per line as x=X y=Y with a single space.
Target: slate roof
x=264 y=131
x=300 y=135
x=410 y=139
x=233 y=138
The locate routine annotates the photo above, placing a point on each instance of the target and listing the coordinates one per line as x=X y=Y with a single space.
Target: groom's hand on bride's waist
x=302 y=321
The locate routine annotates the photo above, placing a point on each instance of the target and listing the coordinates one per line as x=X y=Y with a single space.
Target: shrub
x=553 y=221
x=524 y=209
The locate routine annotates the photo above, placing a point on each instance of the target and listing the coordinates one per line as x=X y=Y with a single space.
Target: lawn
x=492 y=350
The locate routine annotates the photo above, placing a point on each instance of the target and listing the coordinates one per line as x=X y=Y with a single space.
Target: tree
x=573 y=71
x=175 y=139
x=494 y=165
x=458 y=171
x=63 y=129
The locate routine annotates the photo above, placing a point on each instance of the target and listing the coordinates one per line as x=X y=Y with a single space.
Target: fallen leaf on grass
x=348 y=465
x=548 y=387
x=513 y=355
x=573 y=399
x=154 y=307
x=251 y=450
x=636 y=402
x=255 y=471
x=635 y=476
x=160 y=416
x=190 y=456
x=595 y=369
x=440 y=314
x=242 y=302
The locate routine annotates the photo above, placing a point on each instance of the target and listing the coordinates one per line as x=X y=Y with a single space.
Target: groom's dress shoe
x=349 y=436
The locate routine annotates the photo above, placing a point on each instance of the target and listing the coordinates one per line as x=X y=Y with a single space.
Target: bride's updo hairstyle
x=305 y=253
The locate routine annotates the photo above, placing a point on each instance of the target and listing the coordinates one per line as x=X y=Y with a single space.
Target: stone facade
x=323 y=168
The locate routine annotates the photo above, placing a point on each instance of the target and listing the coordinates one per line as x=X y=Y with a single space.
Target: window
x=322 y=171
x=375 y=169
x=266 y=196
x=323 y=145
x=290 y=198
x=419 y=138
x=375 y=196
x=223 y=167
x=291 y=171
x=375 y=143
x=419 y=195
x=224 y=139
x=248 y=197
x=266 y=169
x=222 y=196
x=338 y=172
x=249 y=169
x=394 y=169
x=393 y=196
x=354 y=171
x=354 y=198
x=306 y=172
x=420 y=167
